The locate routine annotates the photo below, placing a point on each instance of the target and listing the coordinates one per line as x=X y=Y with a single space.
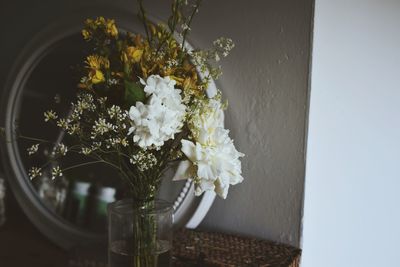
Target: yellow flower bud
x=153 y=29
x=96 y=76
x=178 y=80
x=106 y=63
x=96 y=62
x=111 y=28
x=86 y=34
x=124 y=57
x=133 y=54
x=88 y=22
x=100 y=21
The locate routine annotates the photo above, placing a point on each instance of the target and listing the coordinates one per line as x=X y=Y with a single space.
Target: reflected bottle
x=98 y=217
x=2 y=202
x=52 y=192
x=78 y=204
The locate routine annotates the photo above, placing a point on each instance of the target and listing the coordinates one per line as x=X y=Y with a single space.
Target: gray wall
x=265 y=80
x=266 y=83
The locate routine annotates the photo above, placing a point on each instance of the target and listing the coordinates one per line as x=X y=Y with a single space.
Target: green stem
x=144 y=235
x=196 y=7
x=174 y=18
x=144 y=19
x=82 y=164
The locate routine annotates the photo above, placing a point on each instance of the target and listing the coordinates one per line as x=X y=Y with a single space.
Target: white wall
x=352 y=214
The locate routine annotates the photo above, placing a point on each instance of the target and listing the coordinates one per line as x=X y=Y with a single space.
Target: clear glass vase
x=139 y=233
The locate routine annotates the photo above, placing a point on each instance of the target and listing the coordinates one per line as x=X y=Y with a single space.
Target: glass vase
x=139 y=233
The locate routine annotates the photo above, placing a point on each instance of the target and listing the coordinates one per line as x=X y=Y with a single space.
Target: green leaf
x=133 y=93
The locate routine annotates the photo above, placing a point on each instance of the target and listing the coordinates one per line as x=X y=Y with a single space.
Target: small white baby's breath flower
x=33 y=149
x=224 y=45
x=101 y=127
x=172 y=63
x=34 y=172
x=56 y=172
x=112 y=81
x=63 y=124
x=61 y=150
x=185 y=27
x=73 y=129
x=124 y=142
x=102 y=100
x=50 y=115
x=114 y=111
x=96 y=145
x=216 y=57
x=198 y=58
x=144 y=160
x=85 y=102
x=84 y=79
x=86 y=151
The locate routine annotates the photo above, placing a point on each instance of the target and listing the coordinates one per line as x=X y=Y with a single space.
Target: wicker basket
x=194 y=248
x=203 y=249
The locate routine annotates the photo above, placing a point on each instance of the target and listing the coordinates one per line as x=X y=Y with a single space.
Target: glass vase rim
x=125 y=206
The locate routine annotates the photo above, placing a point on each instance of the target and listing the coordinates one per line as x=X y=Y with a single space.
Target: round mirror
x=70 y=210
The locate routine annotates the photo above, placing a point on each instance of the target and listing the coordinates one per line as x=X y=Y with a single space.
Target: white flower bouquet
x=142 y=105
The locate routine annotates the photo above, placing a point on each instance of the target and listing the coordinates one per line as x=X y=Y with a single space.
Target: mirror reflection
x=81 y=195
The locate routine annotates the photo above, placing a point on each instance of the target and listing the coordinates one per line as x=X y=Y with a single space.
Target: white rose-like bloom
x=208 y=118
x=213 y=159
x=161 y=117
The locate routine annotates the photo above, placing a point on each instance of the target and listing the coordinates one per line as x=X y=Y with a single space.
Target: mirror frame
x=189 y=210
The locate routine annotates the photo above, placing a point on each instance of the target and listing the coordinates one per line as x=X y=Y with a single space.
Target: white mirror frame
x=189 y=210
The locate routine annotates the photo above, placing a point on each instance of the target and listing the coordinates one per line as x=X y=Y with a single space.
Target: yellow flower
x=89 y=22
x=178 y=80
x=100 y=21
x=86 y=34
x=96 y=76
x=97 y=62
x=93 y=62
x=111 y=28
x=132 y=54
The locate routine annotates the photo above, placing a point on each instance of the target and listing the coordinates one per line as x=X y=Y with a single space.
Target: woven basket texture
x=195 y=248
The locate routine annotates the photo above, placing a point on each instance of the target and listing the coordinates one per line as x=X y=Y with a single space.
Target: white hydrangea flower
x=215 y=162
x=161 y=117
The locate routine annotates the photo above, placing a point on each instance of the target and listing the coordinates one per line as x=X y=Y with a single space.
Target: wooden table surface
x=21 y=245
